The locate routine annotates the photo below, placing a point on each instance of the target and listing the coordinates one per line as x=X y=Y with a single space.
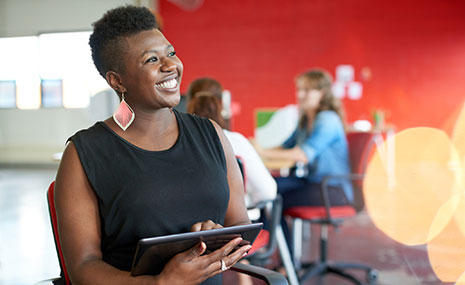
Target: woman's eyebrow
x=155 y=51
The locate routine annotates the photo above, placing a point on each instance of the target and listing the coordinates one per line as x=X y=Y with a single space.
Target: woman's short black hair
x=105 y=41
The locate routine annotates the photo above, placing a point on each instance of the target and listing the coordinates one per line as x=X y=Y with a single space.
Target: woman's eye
x=173 y=53
x=152 y=59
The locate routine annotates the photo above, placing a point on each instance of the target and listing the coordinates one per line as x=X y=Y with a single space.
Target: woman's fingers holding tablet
x=187 y=267
x=205 y=225
x=196 y=251
x=224 y=258
x=194 y=266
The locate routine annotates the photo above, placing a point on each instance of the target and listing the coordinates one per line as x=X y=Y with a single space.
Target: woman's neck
x=154 y=123
x=151 y=131
x=310 y=113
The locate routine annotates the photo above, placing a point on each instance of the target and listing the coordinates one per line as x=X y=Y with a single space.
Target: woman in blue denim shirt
x=319 y=142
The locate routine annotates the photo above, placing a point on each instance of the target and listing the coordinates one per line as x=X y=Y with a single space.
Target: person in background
x=205 y=84
x=148 y=170
x=210 y=85
x=259 y=184
x=318 y=142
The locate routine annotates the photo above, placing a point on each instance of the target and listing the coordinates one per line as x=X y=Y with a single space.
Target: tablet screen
x=153 y=253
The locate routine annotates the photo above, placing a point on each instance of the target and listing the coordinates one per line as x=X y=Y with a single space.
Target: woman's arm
x=288 y=150
x=79 y=227
x=295 y=154
x=326 y=128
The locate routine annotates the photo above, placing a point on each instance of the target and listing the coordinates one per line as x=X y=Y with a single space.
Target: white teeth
x=167 y=84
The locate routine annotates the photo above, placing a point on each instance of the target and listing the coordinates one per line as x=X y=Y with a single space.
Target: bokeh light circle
x=404 y=202
x=458 y=140
x=446 y=251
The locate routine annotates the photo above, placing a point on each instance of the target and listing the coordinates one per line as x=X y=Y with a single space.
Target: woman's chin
x=173 y=102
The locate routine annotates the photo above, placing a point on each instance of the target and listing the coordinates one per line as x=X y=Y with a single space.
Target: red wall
x=414 y=49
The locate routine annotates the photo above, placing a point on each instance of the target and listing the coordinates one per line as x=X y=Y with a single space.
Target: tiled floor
x=358 y=240
x=27 y=250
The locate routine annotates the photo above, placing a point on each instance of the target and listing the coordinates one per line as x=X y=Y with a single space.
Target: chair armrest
x=324 y=189
x=269 y=276
x=260 y=205
x=47 y=281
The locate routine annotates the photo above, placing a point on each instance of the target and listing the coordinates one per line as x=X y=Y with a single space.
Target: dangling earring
x=124 y=115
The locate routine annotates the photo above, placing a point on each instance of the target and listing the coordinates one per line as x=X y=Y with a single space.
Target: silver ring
x=223 y=265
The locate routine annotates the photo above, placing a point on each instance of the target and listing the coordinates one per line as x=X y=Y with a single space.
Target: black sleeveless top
x=152 y=193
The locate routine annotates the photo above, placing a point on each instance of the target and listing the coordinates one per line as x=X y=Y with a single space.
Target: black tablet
x=153 y=253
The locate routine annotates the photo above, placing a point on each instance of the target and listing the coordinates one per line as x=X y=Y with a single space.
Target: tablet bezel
x=185 y=240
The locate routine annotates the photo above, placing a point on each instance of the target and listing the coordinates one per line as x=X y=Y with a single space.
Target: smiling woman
x=147 y=171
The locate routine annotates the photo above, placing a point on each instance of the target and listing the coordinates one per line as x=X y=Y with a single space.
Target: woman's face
x=308 y=98
x=153 y=72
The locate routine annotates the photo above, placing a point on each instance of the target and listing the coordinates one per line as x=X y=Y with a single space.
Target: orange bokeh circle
x=446 y=251
x=404 y=197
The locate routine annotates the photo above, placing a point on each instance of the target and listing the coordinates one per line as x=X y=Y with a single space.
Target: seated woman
x=148 y=171
x=319 y=141
x=259 y=184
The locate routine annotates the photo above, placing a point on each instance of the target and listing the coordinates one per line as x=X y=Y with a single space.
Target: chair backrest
x=240 y=162
x=360 y=148
x=53 y=220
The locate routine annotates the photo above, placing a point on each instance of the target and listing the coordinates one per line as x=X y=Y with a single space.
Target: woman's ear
x=114 y=80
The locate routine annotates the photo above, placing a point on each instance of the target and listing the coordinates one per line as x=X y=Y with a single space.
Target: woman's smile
x=170 y=84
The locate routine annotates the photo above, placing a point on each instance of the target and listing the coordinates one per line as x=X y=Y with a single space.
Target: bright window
x=52 y=93
x=19 y=63
x=7 y=94
x=50 y=70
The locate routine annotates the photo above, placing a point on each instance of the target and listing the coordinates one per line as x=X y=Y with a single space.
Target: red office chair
x=53 y=218
x=360 y=147
x=270 y=277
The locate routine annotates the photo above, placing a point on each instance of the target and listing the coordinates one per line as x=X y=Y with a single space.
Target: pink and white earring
x=124 y=115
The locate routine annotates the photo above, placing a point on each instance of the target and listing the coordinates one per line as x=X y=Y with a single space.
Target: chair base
x=339 y=268
x=323 y=265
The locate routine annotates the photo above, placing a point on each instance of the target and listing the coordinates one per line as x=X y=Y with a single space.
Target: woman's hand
x=191 y=267
x=205 y=226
